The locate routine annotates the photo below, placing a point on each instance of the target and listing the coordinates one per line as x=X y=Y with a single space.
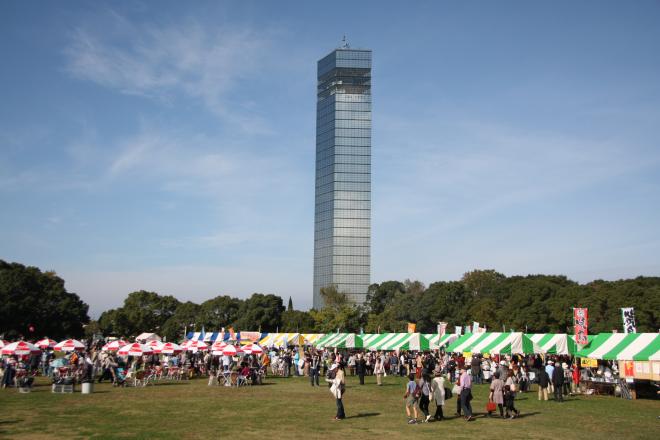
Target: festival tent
x=368 y=338
x=246 y=337
x=134 y=349
x=20 y=348
x=143 y=338
x=554 y=343
x=464 y=343
x=438 y=341
x=375 y=340
x=70 y=345
x=282 y=339
x=341 y=340
x=623 y=347
x=46 y=343
x=505 y=343
x=401 y=341
x=312 y=338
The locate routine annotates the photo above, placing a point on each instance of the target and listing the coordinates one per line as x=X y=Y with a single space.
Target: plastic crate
x=61 y=388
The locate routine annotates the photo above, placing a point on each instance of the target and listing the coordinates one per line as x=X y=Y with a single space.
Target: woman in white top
x=438 y=394
x=379 y=370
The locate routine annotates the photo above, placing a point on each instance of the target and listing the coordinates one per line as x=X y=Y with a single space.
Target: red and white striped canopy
x=196 y=345
x=114 y=345
x=154 y=344
x=70 y=345
x=231 y=350
x=135 y=349
x=217 y=347
x=46 y=343
x=252 y=349
x=20 y=348
x=168 y=348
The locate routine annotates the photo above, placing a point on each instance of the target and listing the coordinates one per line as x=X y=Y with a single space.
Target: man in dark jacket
x=475 y=365
x=361 y=367
x=558 y=381
x=544 y=381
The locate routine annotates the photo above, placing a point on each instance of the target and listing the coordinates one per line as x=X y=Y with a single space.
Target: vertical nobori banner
x=442 y=328
x=581 y=322
x=628 y=315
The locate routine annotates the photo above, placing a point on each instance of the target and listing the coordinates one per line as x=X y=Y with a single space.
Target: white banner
x=442 y=328
x=628 y=315
x=457 y=330
x=475 y=327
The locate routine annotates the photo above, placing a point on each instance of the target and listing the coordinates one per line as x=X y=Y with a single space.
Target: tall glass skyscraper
x=342 y=221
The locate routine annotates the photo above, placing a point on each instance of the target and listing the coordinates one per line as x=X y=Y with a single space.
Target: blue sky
x=170 y=147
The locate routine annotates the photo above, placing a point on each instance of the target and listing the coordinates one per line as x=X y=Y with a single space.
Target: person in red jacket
x=575 y=384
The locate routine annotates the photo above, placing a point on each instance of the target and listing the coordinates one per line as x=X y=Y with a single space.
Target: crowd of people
x=434 y=377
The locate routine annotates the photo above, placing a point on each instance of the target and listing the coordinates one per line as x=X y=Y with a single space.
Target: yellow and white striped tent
x=289 y=339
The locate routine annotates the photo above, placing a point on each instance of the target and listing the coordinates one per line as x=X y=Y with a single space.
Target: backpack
x=418 y=392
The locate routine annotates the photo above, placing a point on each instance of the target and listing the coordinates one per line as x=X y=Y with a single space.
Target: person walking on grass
x=425 y=396
x=379 y=371
x=466 y=393
x=510 y=389
x=337 y=387
x=544 y=381
x=558 y=382
x=412 y=397
x=314 y=367
x=497 y=393
x=438 y=394
x=361 y=367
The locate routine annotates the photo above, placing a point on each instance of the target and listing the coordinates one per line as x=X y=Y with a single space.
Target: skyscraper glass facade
x=342 y=223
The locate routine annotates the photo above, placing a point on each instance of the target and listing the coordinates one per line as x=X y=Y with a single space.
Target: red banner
x=581 y=322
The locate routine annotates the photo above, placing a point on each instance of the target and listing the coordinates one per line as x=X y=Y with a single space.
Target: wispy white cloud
x=164 y=62
x=478 y=169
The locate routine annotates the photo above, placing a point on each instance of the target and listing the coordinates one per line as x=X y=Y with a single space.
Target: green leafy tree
x=186 y=313
x=297 y=321
x=261 y=312
x=380 y=295
x=31 y=298
x=221 y=311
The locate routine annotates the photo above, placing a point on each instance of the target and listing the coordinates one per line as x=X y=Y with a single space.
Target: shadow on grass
x=360 y=415
x=10 y=422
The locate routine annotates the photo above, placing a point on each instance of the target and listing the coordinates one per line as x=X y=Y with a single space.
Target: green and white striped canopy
x=368 y=338
x=495 y=343
x=340 y=340
x=623 y=347
x=400 y=341
x=436 y=341
x=554 y=343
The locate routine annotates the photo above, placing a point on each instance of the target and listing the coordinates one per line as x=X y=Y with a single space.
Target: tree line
x=532 y=303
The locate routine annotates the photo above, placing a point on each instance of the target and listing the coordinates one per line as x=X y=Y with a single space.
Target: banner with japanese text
x=628 y=315
x=581 y=324
x=412 y=327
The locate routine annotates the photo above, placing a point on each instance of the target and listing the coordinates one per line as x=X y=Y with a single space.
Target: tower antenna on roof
x=344 y=43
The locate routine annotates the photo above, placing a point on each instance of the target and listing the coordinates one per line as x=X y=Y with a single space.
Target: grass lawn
x=291 y=407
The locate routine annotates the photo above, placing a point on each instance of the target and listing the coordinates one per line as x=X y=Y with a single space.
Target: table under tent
x=637 y=358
